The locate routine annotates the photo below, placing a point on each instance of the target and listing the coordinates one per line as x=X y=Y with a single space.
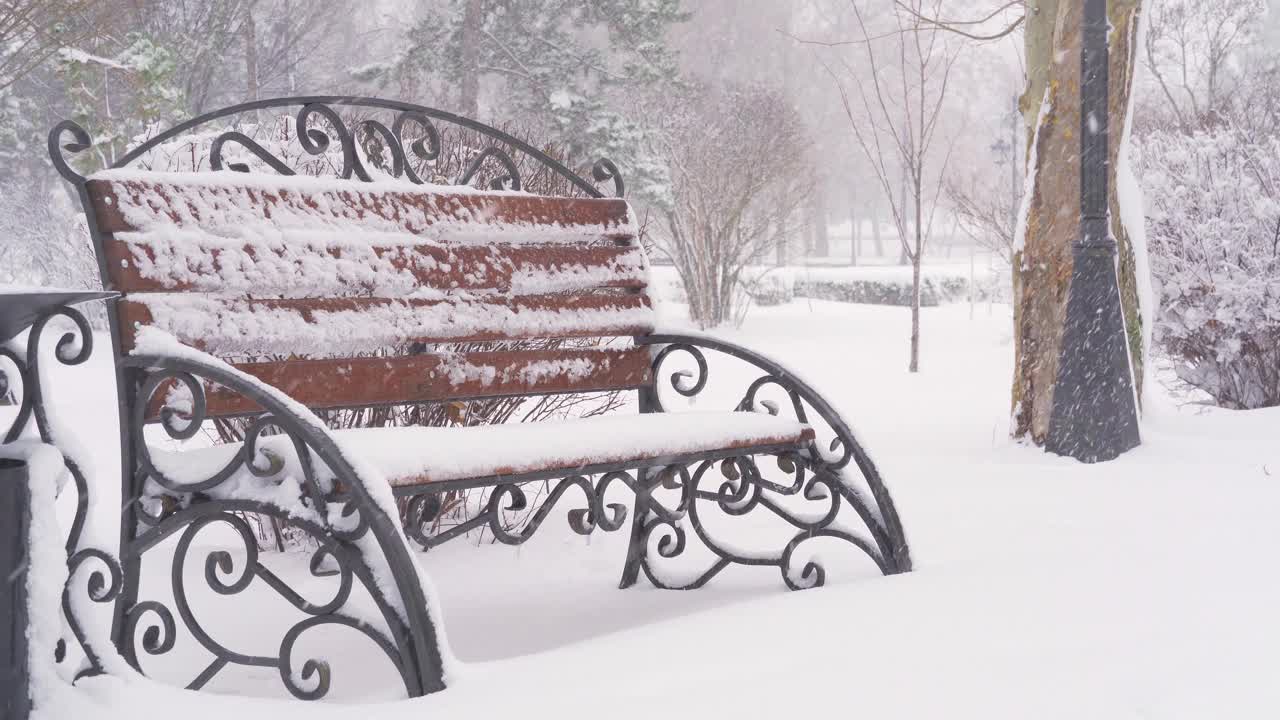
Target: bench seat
x=410 y=457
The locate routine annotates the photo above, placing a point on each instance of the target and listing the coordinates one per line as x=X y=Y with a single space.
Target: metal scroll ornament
x=94 y=570
x=830 y=491
x=413 y=140
x=349 y=541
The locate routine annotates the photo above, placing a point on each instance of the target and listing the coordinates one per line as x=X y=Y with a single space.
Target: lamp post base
x=1094 y=417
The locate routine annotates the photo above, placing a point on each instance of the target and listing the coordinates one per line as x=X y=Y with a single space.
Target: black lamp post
x=1094 y=416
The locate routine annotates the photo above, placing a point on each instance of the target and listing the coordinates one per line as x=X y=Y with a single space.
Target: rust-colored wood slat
x=413 y=211
x=398 y=270
x=228 y=326
x=364 y=382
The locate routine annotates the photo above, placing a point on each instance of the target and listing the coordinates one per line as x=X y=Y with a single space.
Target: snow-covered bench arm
x=838 y=468
x=350 y=516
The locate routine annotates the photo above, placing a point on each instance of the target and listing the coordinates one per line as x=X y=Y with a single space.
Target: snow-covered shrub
x=1213 y=206
x=770 y=289
x=896 y=291
x=740 y=175
x=43 y=238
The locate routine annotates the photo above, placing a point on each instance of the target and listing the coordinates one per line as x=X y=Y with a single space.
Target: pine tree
x=567 y=69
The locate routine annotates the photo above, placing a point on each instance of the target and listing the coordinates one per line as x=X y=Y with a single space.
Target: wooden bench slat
x=121 y=202
x=233 y=326
x=317 y=269
x=367 y=382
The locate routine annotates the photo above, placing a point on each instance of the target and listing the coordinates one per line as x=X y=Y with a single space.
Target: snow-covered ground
x=1142 y=588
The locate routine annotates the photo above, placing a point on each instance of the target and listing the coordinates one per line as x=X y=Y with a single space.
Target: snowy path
x=1143 y=588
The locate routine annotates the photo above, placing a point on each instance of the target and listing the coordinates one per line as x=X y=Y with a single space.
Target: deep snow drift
x=1142 y=588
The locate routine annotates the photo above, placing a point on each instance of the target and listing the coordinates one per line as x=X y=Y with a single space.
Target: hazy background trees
x=641 y=81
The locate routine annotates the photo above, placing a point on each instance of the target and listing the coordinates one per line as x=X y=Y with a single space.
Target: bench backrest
x=319 y=286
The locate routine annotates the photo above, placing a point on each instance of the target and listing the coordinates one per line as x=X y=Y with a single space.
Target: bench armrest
x=353 y=520
x=865 y=487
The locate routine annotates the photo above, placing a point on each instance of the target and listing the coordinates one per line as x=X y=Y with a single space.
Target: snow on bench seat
x=412 y=456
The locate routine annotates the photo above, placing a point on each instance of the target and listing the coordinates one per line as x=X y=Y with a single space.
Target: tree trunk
x=469 y=83
x=875 y=228
x=251 y=54
x=904 y=232
x=917 y=258
x=821 y=237
x=855 y=233
x=914 y=365
x=1042 y=265
x=291 y=54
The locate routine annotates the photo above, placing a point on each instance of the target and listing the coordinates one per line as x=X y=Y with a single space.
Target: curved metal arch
x=887 y=528
x=413 y=602
x=742 y=491
x=603 y=170
x=159 y=636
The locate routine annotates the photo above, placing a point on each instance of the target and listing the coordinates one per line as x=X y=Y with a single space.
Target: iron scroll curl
x=413 y=137
x=822 y=479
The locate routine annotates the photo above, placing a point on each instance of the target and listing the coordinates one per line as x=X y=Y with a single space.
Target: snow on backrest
x=456 y=264
x=226 y=202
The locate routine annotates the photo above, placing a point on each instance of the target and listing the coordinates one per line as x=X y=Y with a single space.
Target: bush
x=1213 y=211
x=770 y=290
x=934 y=291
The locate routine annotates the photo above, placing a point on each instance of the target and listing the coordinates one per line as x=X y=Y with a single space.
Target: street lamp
x=1094 y=416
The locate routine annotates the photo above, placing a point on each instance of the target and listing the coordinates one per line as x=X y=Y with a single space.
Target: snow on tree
x=1050 y=217
x=562 y=65
x=740 y=175
x=1213 y=204
x=1208 y=155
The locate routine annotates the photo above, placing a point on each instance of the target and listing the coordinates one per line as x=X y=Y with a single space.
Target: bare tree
x=894 y=110
x=1049 y=222
x=987 y=217
x=1187 y=47
x=32 y=31
x=740 y=178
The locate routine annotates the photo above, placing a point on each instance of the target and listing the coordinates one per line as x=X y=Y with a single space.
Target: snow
x=264 y=259
x=151 y=341
x=1028 y=194
x=414 y=455
x=231 y=204
x=233 y=327
x=1133 y=218
x=1140 y=588
x=47 y=567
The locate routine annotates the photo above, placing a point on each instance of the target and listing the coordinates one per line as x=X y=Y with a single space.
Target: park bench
x=286 y=302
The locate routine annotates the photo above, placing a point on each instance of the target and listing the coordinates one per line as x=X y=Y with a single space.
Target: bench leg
x=639 y=518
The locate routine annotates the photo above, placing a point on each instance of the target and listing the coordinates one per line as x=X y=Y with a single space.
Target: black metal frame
x=824 y=477
x=349 y=528
x=316 y=141
x=15 y=565
x=105 y=583
x=360 y=537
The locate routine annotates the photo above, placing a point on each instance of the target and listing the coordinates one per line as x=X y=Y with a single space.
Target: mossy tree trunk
x=1042 y=265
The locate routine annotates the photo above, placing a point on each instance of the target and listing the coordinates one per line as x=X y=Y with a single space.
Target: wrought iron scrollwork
x=80 y=142
x=229 y=575
x=824 y=479
x=99 y=570
x=282 y=456
x=424 y=511
x=412 y=138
